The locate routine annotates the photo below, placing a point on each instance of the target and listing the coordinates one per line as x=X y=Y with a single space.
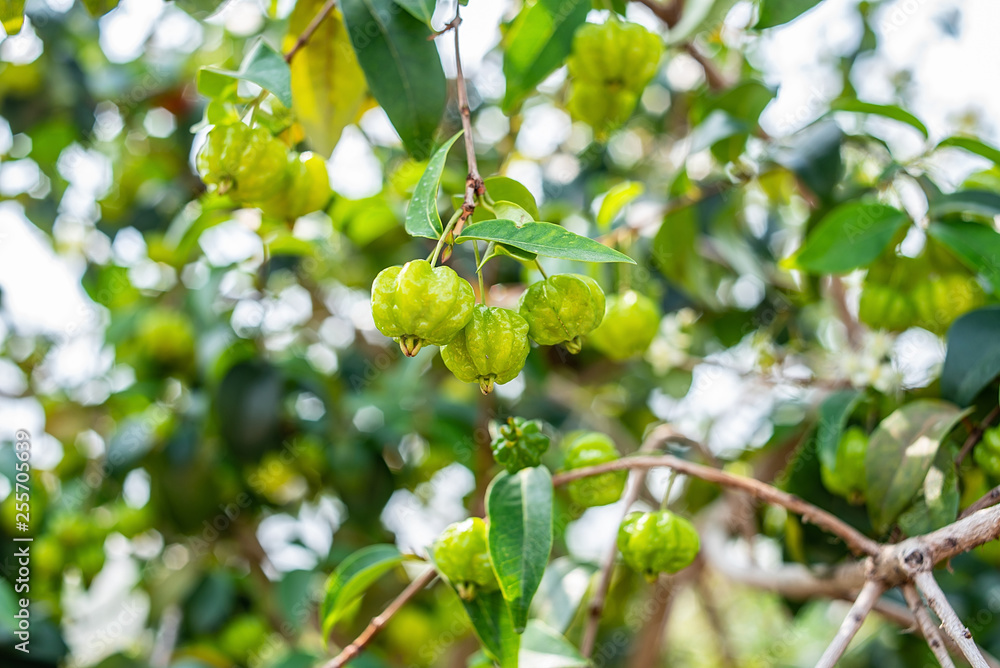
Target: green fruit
x=660 y=542
x=630 y=324
x=519 y=444
x=248 y=163
x=884 y=307
x=417 y=304
x=167 y=338
x=562 y=309
x=847 y=478
x=462 y=556
x=591 y=449
x=987 y=453
x=307 y=188
x=491 y=349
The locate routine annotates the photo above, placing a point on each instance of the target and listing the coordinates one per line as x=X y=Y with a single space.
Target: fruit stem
x=540 y=269
x=479 y=272
x=670 y=487
x=444 y=235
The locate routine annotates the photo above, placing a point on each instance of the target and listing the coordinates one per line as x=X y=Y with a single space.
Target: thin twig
x=635 y=483
x=351 y=651
x=310 y=29
x=927 y=627
x=854 y=539
x=166 y=637
x=952 y=625
x=976 y=435
x=851 y=324
x=991 y=498
x=710 y=606
x=713 y=77
x=870 y=593
x=474 y=182
x=670 y=13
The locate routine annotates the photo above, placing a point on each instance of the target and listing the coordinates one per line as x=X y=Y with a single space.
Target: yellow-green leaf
x=328 y=86
x=617 y=199
x=12 y=15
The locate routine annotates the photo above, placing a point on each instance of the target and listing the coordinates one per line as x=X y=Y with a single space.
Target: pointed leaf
x=975 y=244
x=544 y=647
x=900 y=454
x=495 y=250
x=492 y=623
x=937 y=504
x=973 y=146
x=851 y=236
x=884 y=110
x=262 y=65
x=402 y=67
x=777 y=12
x=420 y=9
x=561 y=592
x=617 y=199
x=538 y=43
x=980 y=203
x=973 y=358
x=422 y=217
x=328 y=86
x=504 y=188
x=355 y=574
x=546 y=239
x=519 y=507
x=833 y=415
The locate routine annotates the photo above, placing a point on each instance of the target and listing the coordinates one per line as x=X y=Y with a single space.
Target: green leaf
x=328 y=86
x=98 y=8
x=978 y=203
x=937 y=504
x=776 y=12
x=975 y=244
x=851 y=236
x=885 y=110
x=973 y=146
x=617 y=199
x=12 y=15
x=545 y=239
x=973 y=358
x=422 y=217
x=543 y=647
x=718 y=125
x=699 y=15
x=402 y=67
x=900 y=454
x=419 y=9
x=833 y=415
x=262 y=65
x=814 y=156
x=561 y=592
x=519 y=508
x=492 y=623
x=503 y=188
x=538 y=42
x=355 y=574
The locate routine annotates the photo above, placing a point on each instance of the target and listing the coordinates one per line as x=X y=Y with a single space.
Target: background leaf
x=519 y=508
x=328 y=86
x=538 y=43
x=976 y=146
x=617 y=199
x=262 y=65
x=546 y=239
x=699 y=15
x=833 y=415
x=12 y=15
x=975 y=244
x=543 y=647
x=352 y=578
x=561 y=592
x=98 y=8
x=900 y=453
x=776 y=12
x=884 y=110
x=980 y=203
x=504 y=188
x=937 y=503
x=420 y=9
x=402 y=67
x=973 y=358
x=851 y=236
x=422 y=217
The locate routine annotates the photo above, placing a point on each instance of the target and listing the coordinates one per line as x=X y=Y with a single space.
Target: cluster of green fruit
x=650 y=543
x=609 y=67
x=255 y=168
x=419 y=304
x=929 y=291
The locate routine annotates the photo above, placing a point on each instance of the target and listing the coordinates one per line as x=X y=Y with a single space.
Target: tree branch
x=713 y=77
x=858 y=542
x=869 y=595
x=989 y=499
x=927 y=627
x=670 y=13
x=351 y=651
x=952 y=625
x=310 y=29
x=473 y=182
